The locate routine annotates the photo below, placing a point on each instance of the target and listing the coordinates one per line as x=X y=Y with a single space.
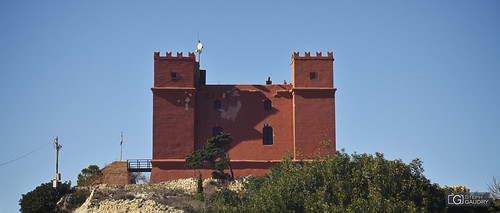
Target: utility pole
x=57 y=182
x=121 y=145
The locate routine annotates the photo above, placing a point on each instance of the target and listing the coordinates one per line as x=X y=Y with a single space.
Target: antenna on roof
x=198 y=50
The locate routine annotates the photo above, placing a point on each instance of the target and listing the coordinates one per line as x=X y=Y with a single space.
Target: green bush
x=337 y=183
x=79 y=196
x=199 y=196
x=221 y=201
x=43 y=198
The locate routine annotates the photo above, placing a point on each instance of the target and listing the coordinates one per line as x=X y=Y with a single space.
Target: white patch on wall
x=232 y=112
x=185 y=101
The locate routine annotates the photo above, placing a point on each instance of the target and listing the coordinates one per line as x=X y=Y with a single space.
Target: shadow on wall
x=241 y=113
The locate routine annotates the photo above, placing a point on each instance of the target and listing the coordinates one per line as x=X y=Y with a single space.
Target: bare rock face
x=172 y=196
x=134 y=205
x=63 y=205
x=163 y=197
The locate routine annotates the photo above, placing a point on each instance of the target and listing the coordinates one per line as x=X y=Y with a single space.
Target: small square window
x=173 y=76
x=312 y=75
x=217 y=104
x=216 y=131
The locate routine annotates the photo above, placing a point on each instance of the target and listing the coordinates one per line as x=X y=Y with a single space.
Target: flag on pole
x=121 y=142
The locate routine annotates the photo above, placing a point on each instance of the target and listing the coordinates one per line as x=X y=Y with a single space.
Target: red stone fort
x=265 y=121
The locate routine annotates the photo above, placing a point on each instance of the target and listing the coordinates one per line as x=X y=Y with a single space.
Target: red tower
x=264 y=120
x=313 y=101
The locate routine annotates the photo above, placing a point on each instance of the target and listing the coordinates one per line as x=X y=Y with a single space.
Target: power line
x=22 y=156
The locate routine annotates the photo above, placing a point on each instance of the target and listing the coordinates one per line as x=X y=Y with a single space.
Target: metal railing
x=139 y=165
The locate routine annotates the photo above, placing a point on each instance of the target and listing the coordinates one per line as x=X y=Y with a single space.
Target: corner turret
x=176 y=71
x=313 y=101
x=312 y=71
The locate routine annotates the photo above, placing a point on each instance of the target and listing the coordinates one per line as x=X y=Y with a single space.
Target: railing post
x=139 y=165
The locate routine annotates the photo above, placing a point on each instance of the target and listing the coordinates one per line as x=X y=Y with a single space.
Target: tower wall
x=174 y=98
x=173 y=123
x=303 y=66
x=313 y=103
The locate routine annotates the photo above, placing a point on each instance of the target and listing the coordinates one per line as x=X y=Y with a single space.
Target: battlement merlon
x=168 y=56
x=307 y=55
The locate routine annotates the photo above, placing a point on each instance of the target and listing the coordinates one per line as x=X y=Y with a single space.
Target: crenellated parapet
x=312 y=71
x=178 y=56
x=307 y=55
x=176 y=70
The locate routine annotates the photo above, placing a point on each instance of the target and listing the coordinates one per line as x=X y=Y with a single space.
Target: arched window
x=268 y=105
x=267 y=135
x=217 y=104
x=216 y=131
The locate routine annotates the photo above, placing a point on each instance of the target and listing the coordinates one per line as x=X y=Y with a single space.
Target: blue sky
x=415 y=79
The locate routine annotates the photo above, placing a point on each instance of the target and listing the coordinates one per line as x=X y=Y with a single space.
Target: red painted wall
x=242 y=114
x=313 y=103
x=184 y=115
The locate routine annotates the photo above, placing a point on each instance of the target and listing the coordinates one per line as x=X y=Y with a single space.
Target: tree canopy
x=337 y=183
x=43 y=198
x=213 y=156
x=88 y=175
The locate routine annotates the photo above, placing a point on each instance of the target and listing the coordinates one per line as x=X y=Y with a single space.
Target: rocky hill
x=172 y=196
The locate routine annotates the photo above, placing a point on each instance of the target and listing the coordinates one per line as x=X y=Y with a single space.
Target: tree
x=43 y=198
x=88 y=175
x=213 y=156
x=199 y=184
x=138 y=178
x=494 y=188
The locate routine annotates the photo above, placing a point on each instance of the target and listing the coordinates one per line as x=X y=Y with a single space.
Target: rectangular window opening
x=268 y=105
x=312 y=75
x=267 y=135
x=217 y=104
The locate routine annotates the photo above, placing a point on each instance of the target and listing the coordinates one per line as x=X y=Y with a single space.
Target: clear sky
x=415 y=79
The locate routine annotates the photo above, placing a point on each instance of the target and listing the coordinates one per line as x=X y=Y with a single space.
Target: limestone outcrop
x=172 y=196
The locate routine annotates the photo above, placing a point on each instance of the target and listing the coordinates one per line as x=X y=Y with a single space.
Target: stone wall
x=115 y=173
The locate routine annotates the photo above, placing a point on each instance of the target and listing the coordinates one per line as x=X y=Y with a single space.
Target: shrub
x=43 y=198
x=79 y=196
x=337 y=183
x=200 y=184
x=88 y=175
